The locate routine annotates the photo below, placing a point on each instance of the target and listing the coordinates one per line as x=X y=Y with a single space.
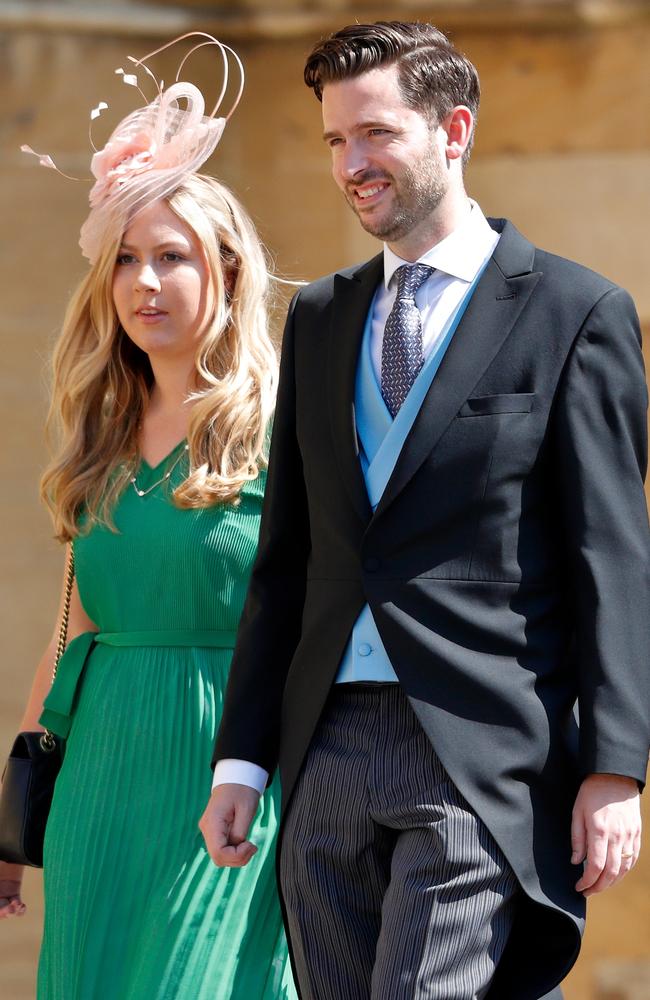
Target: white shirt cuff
x=240 y=772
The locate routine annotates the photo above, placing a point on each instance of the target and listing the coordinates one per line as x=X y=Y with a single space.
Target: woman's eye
x=171 y=256
x=125 y=258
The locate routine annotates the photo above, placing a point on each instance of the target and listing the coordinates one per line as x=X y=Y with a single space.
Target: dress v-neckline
x=165 y=458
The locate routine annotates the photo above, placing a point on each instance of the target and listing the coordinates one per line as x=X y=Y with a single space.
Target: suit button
x=365 y=649
x=371 y=564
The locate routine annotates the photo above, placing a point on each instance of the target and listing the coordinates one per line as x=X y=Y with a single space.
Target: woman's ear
x=229 y=282
x=229 y=270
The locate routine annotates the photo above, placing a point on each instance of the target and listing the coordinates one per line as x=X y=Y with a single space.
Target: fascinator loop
x=151 y=150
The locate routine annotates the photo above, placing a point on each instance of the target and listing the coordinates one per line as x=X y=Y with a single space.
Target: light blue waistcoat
x=380 y=442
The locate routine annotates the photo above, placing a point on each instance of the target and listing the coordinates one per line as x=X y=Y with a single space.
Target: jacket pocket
x=509 y=402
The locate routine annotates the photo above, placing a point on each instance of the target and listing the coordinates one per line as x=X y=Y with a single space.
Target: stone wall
x=563 y=149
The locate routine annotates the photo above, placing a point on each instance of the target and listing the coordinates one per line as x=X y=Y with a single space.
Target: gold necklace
x=143 y=493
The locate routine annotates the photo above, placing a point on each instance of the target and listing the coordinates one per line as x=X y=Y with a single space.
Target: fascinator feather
x=151 y=150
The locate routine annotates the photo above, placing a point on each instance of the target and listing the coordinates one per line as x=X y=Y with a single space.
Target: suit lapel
x=353 y=294
x=498 y=300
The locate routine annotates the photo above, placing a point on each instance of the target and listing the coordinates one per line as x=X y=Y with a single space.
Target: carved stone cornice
x=253 y=20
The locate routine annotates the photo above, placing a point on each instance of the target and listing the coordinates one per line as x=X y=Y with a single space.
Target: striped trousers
x=394 y=888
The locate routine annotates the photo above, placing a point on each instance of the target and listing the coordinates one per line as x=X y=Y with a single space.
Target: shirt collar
x=460 y=254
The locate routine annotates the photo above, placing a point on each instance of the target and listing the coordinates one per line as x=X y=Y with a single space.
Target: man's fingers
x=225 y=824
x=610 y=872
x=629 y=854
x=240 y=826
x=595 y=864
x=215 y=826
x=225 y=847
x=217 y=832
x=608 y=807
x=578 y=837
x=233 y=856
x=628 y=860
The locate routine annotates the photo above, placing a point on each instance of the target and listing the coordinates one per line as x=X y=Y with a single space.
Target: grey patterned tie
x=401 y=353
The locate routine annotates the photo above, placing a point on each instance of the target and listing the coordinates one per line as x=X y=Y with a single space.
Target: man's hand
x=225 y=824
x=605 y=830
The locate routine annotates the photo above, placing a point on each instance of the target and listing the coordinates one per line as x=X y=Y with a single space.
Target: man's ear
x=458 y=125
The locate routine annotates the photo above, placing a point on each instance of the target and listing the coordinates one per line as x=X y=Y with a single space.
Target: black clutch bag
x=27 y=789
x=30 y=774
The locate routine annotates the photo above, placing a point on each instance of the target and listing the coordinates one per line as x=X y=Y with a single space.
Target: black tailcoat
x=506 y=566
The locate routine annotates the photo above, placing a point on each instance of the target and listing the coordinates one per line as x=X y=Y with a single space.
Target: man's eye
x=334 y=142
x=378 y=131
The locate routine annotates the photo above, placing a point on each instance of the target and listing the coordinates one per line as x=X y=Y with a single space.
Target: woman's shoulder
x=255 y=487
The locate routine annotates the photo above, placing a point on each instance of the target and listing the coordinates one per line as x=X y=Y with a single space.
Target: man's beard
x=417 y=195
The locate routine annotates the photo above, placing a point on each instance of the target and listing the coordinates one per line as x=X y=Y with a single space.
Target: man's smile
x=369 y=194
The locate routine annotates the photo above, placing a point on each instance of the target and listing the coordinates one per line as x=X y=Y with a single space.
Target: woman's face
x=162 y=288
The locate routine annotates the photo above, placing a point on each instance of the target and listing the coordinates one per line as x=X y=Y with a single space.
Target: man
x=454 y=549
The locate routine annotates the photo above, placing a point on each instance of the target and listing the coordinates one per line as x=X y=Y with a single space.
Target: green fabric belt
x=58 y=707
x=169 y=637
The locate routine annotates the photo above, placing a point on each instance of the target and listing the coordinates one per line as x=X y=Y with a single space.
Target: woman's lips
x=150 y=315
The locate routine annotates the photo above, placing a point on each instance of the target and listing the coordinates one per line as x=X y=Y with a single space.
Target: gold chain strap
x=48 y=743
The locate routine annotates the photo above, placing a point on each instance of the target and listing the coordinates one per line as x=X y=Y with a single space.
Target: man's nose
x=353 y=161
x=147 y=279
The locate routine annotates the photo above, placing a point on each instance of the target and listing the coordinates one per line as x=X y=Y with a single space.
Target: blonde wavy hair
x=102 y=381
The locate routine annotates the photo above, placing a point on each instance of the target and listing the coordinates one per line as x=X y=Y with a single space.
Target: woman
x=164 y=381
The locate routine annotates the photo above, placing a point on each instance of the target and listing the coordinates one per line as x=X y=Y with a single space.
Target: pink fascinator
x=153 y=148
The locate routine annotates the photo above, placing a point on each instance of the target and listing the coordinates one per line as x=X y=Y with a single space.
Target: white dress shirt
x=457 y=260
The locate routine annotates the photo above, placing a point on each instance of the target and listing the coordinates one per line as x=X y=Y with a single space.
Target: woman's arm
x=78 y=622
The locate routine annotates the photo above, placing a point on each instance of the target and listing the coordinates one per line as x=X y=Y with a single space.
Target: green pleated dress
x=134 y=907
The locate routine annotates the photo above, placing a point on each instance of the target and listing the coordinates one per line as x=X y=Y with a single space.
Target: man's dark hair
x=433 y=75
